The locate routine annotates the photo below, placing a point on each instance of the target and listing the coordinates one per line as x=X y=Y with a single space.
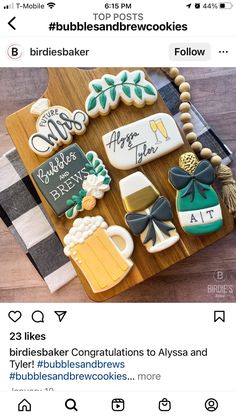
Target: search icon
x=71 y=404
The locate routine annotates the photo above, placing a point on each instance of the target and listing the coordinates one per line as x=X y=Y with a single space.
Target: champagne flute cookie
x=149 y=214
x=197 y=203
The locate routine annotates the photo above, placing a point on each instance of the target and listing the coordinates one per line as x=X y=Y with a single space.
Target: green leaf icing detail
x=126 y=89
x=137 y=78
x=69 y=212
x=89 y=157
x=113 y=93
x=109 y=81
x=103 y=100
x=124 y=77
x=149 y=90
x=138 y=92
x=92 y=103
x=69 y=202
x=97 y=87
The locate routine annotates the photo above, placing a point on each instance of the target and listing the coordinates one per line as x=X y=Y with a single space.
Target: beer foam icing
x=81 y=229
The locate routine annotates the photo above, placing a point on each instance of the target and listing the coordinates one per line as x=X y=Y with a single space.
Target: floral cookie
x=55 y=127
x=142 y=141
x=71 y=181
x=197 y=203
x=92 y=246
x=130 y=87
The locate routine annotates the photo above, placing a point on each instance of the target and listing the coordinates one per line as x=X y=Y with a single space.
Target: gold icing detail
x=188 y=162
x=141 y=199
x=88 y=202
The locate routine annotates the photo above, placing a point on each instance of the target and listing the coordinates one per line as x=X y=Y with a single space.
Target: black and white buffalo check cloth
x=23 y=213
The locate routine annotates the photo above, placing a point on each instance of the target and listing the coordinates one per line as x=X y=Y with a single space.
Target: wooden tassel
x=225 y=175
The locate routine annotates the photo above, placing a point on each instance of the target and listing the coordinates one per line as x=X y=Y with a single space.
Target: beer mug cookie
x=197 y=203
x=130 y=87
x=142 y=141
x=148 y=215
x=55 y=127
x=92 y=245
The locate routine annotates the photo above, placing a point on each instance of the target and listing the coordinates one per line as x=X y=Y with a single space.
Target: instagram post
x=118 y=207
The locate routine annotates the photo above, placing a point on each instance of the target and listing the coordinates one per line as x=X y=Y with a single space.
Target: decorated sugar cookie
x=197 y=203
x=71 y=181
x=142 y=141
x=93 y=247
x=130 y=87
x=55 y=127
x=148 y=215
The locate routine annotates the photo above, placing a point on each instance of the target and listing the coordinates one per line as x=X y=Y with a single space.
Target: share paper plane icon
x=60 y=315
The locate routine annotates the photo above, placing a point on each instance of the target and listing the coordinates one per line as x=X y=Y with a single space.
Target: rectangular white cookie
x=142 y=141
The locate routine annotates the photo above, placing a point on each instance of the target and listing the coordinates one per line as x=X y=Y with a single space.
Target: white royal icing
x=142 y=141
x=130 y=87
x=55 y=127
x=200 y=216
x=82 y=228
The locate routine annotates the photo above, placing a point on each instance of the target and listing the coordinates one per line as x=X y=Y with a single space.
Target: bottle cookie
x=130 y=87
x=197 y=203
x=148 y=215
x=55 y=127
x=142 y=141
x=91 y=245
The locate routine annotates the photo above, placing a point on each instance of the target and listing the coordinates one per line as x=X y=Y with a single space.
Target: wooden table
x=207 y=276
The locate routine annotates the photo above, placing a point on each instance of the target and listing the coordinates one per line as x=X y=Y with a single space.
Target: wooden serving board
x=69 y=87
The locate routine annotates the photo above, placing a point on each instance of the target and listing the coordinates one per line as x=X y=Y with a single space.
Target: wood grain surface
x=194 y=279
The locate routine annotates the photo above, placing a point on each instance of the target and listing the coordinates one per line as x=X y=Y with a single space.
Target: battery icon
x=226 y=5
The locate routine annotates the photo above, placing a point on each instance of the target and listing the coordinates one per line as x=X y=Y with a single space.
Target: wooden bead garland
x=224 y=173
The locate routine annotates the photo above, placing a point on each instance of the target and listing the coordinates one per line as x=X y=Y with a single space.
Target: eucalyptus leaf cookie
x=130 y=87
x=56 y=126
x=197 y=203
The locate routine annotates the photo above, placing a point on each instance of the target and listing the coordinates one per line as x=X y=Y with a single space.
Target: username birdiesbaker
x=59 y=52
x=118 y=352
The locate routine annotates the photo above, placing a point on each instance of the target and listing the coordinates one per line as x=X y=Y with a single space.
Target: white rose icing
x=82 y=228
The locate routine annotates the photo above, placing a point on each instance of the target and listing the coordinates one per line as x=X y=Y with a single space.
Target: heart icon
x=14 y=315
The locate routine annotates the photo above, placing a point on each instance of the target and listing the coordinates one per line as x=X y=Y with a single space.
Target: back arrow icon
x=10 y=23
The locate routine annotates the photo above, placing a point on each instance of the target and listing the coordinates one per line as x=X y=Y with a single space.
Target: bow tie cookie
x=149 y=214
x=92 y=245
x=55 y=127
x=129 y=87
x=197 y=203
x=71 y=181
x=142 y=141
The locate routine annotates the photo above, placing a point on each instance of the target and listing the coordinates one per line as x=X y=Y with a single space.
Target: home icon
x=24 y=406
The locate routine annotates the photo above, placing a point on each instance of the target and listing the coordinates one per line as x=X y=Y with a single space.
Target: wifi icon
x=51 y=5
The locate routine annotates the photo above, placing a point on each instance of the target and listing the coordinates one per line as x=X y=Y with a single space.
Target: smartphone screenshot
x=118 y=207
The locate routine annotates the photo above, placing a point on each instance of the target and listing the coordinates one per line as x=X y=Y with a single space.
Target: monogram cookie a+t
x=197 y=203
x=56 y=126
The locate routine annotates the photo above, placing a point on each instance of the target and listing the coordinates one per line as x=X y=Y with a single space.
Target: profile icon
x=211 y=405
